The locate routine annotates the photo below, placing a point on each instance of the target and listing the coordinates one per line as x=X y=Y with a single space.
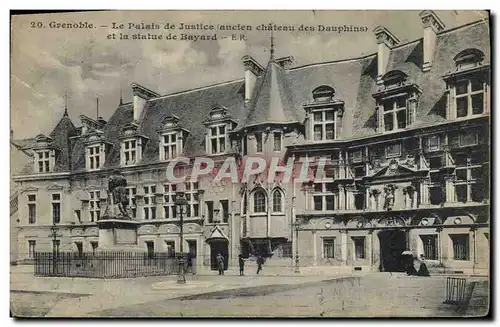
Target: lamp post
x=180 y=204
x=53 y=233
x=296 y=224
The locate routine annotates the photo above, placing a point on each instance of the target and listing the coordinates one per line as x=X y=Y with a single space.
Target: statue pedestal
x=117 y=235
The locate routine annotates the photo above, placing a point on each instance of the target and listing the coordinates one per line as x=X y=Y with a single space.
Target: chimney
x=385 y=42
x=252 y=70
x=141 y=96
x=432 y=25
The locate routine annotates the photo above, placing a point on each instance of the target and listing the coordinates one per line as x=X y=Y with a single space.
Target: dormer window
x=395 y=113
x=172 y=138
x=129 y=152
x=132 y=144
x=469 y=58
x=95 y=152
x=43 y=161
x=396 y=102
x=219 y=124
x=218 y=139
x=44 y=154
x=324 y=115
x=467 y=87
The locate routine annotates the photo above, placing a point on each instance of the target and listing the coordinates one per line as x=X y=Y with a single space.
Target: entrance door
x=217 y=247
x=392 y=244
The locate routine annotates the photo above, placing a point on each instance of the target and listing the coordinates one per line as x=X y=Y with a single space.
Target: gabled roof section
x=272 y=100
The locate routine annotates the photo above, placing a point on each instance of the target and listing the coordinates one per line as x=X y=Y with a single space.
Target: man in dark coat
x=220 y=264
x=242 y=264
x=260 y=262
x=423 y=271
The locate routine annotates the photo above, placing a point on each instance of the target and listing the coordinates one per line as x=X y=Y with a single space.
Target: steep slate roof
x=280 y=94
x=61 y=140
x=272 y=100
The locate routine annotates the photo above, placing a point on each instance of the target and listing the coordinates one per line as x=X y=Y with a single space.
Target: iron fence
x=105 y=264
x=455 y=290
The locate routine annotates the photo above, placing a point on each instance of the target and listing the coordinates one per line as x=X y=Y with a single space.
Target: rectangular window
x=469 y=98
x=31 y=208
x=359 y=201
x=169 y=146
x=395 y=114
x=324 y=123
x=56 y=208
x=94 y=246
x=210 y=211
x=258 y=140
x=217 y=135
x=150 y=246
x=169 y=209
x=129 y=152
x=468 y=138
x=95 y=206
x=329 y=247
x=287 y=251
x=149 y=202
x=469 y=181
x=192 y=197
x=393 y=150
x=170 y=248
x=225 y=210
x=324 y=196
x=94 y=157
x=460 y=246
x=434 y=143
x=132 y=191
x=359 y=247
x=31 y=249
x=430 y=246
x=79 y=248
x=43 y=161
x=356 y=156
x=277 y=141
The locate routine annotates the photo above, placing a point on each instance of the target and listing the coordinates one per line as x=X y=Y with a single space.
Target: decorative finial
x=97 y=106
x=272 y=46
x=121 y=97
x=65 y=104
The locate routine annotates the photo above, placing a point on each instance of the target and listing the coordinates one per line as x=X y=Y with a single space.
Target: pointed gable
x=272 y=99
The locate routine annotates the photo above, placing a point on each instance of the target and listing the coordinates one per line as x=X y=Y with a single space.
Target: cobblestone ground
x=372 y=295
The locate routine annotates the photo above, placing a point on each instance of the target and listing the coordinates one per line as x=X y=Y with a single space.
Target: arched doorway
x=392 y=244
x=218 y=246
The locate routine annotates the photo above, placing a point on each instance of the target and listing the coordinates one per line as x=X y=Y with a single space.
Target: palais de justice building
x=406 y=130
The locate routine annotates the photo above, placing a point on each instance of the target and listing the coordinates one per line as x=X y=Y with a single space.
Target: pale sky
x=46 y=62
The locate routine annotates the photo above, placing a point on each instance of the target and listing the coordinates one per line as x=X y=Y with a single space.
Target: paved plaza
x=361 y=295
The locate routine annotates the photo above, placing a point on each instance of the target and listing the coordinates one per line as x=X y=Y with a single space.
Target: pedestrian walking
x=260 y=262
x=220 y=264
x=242 y=264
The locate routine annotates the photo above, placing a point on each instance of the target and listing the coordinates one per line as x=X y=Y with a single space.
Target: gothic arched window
x=259 y=201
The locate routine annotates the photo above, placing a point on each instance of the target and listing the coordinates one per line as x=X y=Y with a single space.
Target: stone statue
x=117 y=204
x=389 y=196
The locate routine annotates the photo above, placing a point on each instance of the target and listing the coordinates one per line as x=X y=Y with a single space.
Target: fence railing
x=455 y=290
x=107 y=264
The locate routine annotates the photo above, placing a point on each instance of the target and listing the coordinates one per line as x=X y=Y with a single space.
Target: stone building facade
x=405 y=131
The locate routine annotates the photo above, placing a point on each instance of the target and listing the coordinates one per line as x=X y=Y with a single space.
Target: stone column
x=449 y=188
x=424 y=192
x=315 y=249
x=343 y=244
x=341 y=194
